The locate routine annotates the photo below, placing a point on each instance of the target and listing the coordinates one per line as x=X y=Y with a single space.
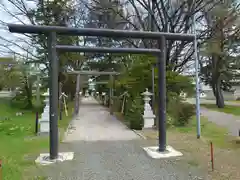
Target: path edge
x=70 y=123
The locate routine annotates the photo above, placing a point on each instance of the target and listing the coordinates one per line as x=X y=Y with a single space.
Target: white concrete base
x=44 y=159
x=155 y=154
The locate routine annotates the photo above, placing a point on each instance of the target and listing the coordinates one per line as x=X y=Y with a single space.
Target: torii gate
x=97 y=73
x=52 y=31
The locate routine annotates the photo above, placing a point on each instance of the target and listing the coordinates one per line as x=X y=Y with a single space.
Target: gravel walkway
x=208 y=101
x=229 y=121
x=95 y=123
x=105 y=149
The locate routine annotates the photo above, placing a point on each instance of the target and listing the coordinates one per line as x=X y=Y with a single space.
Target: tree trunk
x=216 y=80
x=213 y=88
x=218 y=94
x=28 y=90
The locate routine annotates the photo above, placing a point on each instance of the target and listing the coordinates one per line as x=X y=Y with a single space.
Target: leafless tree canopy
x=171 y=16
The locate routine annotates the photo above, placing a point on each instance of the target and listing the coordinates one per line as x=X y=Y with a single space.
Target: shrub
x=185 y=113
x=169 y=119
x=19 y=101
x=134 y=114
x=39 y=107
x=127 y=106
x=180 y=112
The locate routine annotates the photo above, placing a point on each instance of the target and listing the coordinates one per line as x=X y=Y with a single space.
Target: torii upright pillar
x=77 y=96
x=111 y=95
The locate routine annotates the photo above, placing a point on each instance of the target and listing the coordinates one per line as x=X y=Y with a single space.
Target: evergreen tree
x=58 y=13
x=217 y=73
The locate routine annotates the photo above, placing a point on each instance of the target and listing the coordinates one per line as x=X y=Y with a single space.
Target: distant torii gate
x=52 y=31
x=98 y=73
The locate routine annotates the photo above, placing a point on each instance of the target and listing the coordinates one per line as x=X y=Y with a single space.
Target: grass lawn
x=235 y=101
x=235 y=110
x=209 y=132
x=19 y=145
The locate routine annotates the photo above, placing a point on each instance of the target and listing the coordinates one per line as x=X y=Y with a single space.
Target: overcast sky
x=5 y=34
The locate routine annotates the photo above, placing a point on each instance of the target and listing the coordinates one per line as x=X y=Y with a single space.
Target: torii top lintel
x=35 y=29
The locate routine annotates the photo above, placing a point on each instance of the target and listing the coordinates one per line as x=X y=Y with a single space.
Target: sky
x=5 y=34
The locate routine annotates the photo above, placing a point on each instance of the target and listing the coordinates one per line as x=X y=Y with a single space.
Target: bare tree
x=166 y=16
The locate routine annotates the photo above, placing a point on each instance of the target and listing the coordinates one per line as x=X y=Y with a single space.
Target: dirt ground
x=197 y=153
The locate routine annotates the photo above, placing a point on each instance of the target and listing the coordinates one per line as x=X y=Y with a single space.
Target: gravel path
x=106 y=150
x=229 y=121
x=207 y=101
x=95 y=123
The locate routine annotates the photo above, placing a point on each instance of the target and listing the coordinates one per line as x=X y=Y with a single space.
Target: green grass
x=209 y=131
x=19 y=145
x=235 y=110
x=235 y=101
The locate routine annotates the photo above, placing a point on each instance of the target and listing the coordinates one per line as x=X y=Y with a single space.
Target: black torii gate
x=79 y=73
x=52 y=31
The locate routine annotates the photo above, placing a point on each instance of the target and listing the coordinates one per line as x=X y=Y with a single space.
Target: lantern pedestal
x=148 y=115
x=44 y=121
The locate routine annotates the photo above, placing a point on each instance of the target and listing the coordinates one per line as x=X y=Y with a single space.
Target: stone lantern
x=44 y=121
x=86 y=93
x=148 y=115
x=104 y=95
x=97 y=94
